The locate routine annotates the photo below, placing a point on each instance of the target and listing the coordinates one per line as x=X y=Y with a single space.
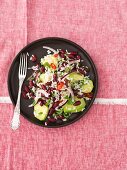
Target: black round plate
x=36 y=48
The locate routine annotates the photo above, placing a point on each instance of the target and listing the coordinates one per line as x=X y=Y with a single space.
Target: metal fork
x=15 y=123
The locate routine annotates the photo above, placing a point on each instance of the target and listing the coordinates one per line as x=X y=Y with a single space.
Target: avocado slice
x=41 y=112
x=70 y=108
x=42 y=77
x=75 y=76
x=88 y=87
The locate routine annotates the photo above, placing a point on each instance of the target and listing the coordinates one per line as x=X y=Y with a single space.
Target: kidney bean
x=66 y=82
x=89 y=95
x=41 y=103
x=31 y=84
x=71 y=56
x=51 y=119
x=64 y=64
x=52 y=88
x=63 y=56
x=82 y=71
x=75 y=92
x=55 y=77
x=51 y=111
x=48 y=83
x=42 y=69
x=49 y=91
x=60 y=117
x=33 y=58
x=42 y=95
x=74 y=68
x=47 y=122
x=55 y=104
x=24 y=95
x=43 y=87
x=62 y=51
x=80 y=95
x=44 y=101
x=26 y=88
x=78 y=57
x=32 y=95
x=77 y=103
x=73 y=53
x=54 y=99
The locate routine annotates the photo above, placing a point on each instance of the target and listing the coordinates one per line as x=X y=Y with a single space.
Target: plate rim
x=60 y=39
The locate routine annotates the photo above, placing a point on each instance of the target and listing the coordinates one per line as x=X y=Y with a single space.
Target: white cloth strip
x=115 y=101
x=103 y=101
x=5 y=99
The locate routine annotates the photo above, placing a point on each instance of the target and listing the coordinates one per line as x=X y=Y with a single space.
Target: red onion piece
x=64 y=101
x=74 y=61
x=49 y=48
x=38 y=93
x=35 y=68
x=69 y=89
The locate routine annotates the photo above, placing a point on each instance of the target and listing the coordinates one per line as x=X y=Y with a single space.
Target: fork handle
x=15 y=123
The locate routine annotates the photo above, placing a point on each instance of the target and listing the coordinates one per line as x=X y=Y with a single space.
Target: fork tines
x=23 y=65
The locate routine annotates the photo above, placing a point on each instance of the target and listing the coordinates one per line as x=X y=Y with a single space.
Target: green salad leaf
x=70 y=101
x=48 y=102
x=35 y=102
x=66 y=115
x=59 y=111
x=67 y=97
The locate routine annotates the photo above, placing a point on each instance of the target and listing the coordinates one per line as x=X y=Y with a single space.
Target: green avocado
x=70 y=108
x=42 y=77
x=75 y=76
x=87 y=87
x=40 y=112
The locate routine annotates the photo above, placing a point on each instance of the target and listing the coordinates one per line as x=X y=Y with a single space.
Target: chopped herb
x=46 y=64
x=48 y=102
x=34 y=102
x=81 y=82
x=86 y=78
x=70 y=101
x=30 y=78
x=40 y=113
x=53 y=94
x=66 y=97
x=59 y=111
x=66 y=115
x=67 y=69
x=61 y=73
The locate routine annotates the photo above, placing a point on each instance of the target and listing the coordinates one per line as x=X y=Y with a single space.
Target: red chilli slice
x=33 y=58
x=53 y=66
x=56 y=55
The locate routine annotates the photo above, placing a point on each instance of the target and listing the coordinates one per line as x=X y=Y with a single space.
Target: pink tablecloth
x=99 y=140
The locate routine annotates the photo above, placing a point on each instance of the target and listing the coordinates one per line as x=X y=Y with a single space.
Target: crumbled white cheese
x=41 y=91
x=33 y=89
x=64 y=120
x=87 y=98
x=46 y=124
x=28 y=95
x=48 y=51
x=54 y=84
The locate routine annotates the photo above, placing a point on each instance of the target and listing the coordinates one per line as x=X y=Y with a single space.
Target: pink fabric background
x=99 y=140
